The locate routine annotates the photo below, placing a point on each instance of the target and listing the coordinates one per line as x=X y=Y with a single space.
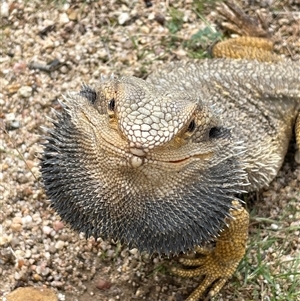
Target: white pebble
x=133 y=251
x=274 y=227
x=138 y=293
x=4 y=238
x=47 y=255
x=123 y=17
x=47 y=230
x=17 y=276
x=155 y=260
x=4 y=9
x=27 y=219
x=27 y=254
x=10 y=116
x=25 y=91
x=63 y=18
x=45 y=271
x=19 y=253
x=59 y=244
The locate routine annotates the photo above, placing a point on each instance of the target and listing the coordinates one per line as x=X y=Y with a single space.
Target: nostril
x=111 y=105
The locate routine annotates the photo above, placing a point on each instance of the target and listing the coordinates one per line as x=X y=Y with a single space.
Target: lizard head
x=154 y=169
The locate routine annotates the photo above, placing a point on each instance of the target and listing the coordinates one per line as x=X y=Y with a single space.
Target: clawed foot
x=241 y=23
x=254 y=42
x=215 y=273
x=219 y=264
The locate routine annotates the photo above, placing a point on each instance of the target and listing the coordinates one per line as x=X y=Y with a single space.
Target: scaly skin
x=126 y=153
x=260 y=102
x=246 y=47
x=263 y=97
x=157 y=163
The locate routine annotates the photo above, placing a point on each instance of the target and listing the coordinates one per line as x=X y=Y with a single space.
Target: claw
x=219 y=264
x=242 y=23
x=254 y=42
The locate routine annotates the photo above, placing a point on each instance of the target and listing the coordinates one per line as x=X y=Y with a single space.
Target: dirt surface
x=49 y=48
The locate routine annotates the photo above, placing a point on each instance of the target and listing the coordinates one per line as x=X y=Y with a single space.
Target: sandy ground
x=49 y=48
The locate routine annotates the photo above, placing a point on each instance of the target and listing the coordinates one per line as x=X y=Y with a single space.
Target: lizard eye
x=111 y=105
x=192 y=126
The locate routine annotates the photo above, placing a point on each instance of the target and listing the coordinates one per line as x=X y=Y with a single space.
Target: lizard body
x=157 y=163
x=259 y=101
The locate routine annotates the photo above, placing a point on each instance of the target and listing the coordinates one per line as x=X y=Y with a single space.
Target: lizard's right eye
x=111 y=105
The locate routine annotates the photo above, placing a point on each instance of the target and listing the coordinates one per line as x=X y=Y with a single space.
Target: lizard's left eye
x=111 y=105
x=192 y=126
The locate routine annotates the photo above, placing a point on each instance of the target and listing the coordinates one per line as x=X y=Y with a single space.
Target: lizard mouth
x=179 y=161
x=137 y=161
x=190 y=158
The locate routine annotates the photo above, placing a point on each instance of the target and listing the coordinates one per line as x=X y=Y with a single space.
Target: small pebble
x=47 y=230
x=139 y=292
x=37 y=277
x=27 y=254
x=145 y=29
x=16 y=227
x=27 y=219
x=15 y=242
x=17 y=220
x=61 y=297
x=25 y=91
x=58 y=225
x=110 y=253
x=73 y=15
x=133 y=251
x=57 y=283
x=63 y=18
x=103 y=284
x=64 y=69
x=45 y=271
x=14 y=124
x=123 y=17
x=59 y=244
x=274 y=227
x=160 y=18
x=52 y=249
x=4 y=9
x=10 y=116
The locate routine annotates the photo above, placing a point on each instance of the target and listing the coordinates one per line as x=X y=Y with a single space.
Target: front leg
x=219 y=264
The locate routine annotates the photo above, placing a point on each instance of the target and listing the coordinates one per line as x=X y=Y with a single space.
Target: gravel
x=49 y=48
